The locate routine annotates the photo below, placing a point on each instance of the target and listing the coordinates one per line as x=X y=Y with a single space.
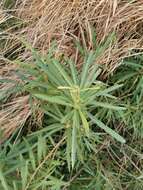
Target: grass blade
x=73 y=72
x=93 y=75
x=68 y=147
x=3 y=181
x=74 y=139
x=107 y=129
x=108 y=90
x=108 y=106
x=84 y=122
x=52 y=99
x=63 y=72
x=85 y=69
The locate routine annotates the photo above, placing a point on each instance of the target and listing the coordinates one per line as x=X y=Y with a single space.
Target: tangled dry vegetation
x=41 y=21
x=71 y=94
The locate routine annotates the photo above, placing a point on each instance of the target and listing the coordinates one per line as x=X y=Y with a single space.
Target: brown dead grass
x=71 y=19
x=67 y=20
x=13 y=115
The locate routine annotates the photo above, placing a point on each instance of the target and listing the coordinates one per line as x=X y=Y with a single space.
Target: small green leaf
x=52 y=99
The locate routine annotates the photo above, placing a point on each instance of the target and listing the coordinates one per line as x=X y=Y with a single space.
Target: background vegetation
x=71 y=95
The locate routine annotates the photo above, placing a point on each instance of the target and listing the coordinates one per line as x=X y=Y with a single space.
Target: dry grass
x=71 y=19
x=65 y=21
x=13 y=115
x=15 y=111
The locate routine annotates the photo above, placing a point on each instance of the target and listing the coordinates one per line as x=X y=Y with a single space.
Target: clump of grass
x=77 y=144
x=24 y=162
x=130 y=73
x=12 y=80
x=14 y=108
x=73 y=20
x=38 y=161
x=70 y=150
x=72 y=98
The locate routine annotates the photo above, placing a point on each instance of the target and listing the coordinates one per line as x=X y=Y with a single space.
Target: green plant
x=22 y=162
x=38 y=162
x=69 y=150
x=7 y=4
x=75 y=99
x=130 y=73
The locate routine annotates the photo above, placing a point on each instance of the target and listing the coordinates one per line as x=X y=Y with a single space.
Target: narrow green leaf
x=32 y=159
x=80 y=48
x=28 y=67
x=52 y=99
x=51 y=115
x=63 y=72
x=107 y=129
x=3 y=181
x=67 y=117
x=40 y=148
x=51 y=129
x=108 y=90
x=36 y=84
x=132 y=65
x=94 y=73
x=84 y=122
x=6 y=80
x=74 y=72
x=85 y=69
x=55 y=76
x=24 y=172
x=127 y=76
x=108 y=106
x=101 y=48
x=74 y=139
x=58 y=111
x=68 y=147
x=94 y=36
x=36 y=55
x=14 y=185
